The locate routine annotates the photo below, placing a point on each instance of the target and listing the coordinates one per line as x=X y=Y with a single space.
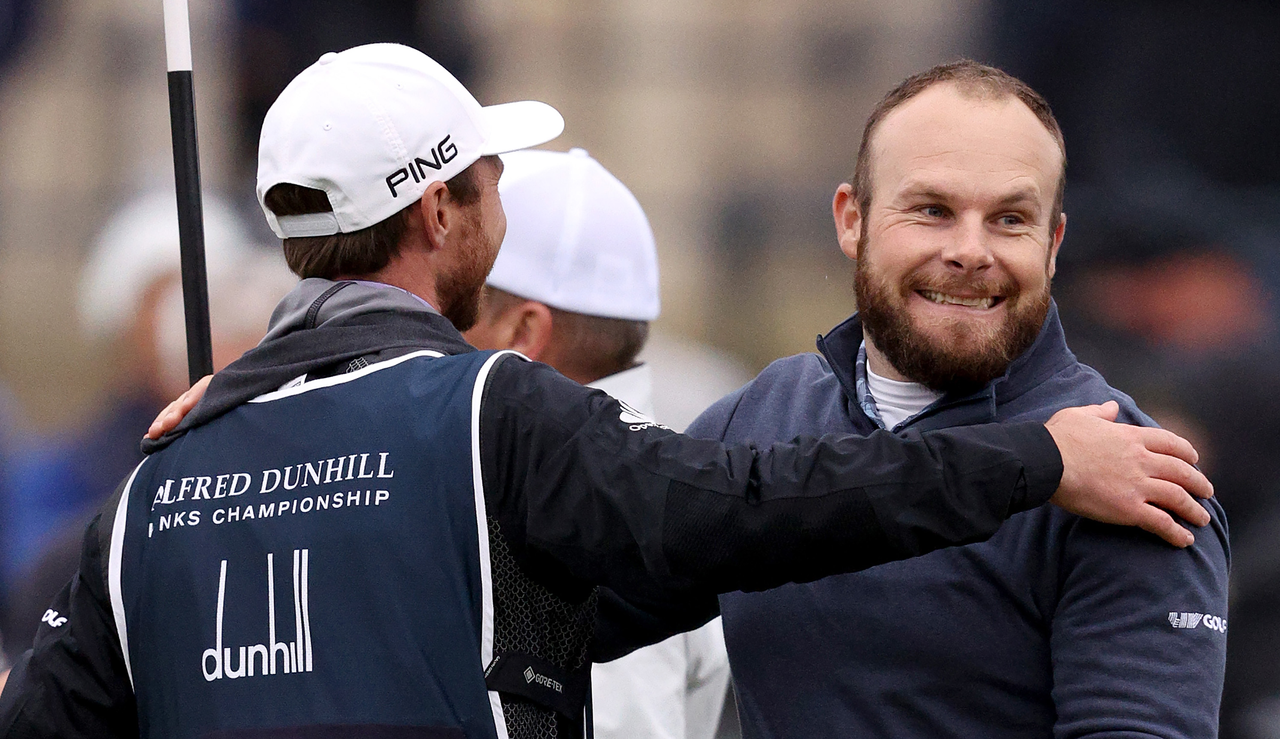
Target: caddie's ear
x=848 y=217
x=438 y=214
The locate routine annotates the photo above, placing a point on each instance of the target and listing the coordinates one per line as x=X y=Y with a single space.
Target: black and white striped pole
x=186 y=171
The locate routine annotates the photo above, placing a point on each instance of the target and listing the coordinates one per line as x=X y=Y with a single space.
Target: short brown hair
x=360 y=252
x=972 y=78
x=593 y=346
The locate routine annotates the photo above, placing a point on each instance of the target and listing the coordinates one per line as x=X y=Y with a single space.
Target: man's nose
x=969 y=250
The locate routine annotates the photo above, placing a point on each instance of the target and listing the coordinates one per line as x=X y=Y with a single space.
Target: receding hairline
x=972 y=80
x=972 y=90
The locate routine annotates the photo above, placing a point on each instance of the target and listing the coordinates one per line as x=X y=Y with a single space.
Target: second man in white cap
x=575 y=286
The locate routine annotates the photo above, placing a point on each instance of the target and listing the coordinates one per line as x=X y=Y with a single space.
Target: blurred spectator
x=16 y=18
x=131 y=267
x=241 y=298
x=130 y=300
x=1157 y=289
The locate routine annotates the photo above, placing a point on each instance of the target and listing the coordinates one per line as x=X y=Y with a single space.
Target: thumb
x=1107 y=411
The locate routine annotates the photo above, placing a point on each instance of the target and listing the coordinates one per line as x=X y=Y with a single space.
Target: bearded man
x=1056 y=626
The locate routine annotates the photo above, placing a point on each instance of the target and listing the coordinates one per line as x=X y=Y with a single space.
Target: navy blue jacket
x=1055 y=627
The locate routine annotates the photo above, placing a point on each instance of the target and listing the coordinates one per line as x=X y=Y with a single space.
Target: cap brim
x=515 y=126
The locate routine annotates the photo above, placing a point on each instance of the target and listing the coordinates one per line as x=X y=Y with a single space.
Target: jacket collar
x=315 y=302
x=320 y=324
x=1047 y=356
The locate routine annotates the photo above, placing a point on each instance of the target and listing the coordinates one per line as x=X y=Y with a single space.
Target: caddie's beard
x=954 y=356
x=460 y=289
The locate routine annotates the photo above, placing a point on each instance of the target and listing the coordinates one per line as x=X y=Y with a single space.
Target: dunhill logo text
x=272 y=657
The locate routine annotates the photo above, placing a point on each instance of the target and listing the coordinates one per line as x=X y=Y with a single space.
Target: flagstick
x=186 y=171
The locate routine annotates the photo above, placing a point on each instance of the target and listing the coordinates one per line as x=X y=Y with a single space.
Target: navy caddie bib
x=315 y=564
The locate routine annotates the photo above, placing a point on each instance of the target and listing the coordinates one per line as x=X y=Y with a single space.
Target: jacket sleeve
x=583 y=486
x=1139 y=635
x=73 y=682
x=623 y=625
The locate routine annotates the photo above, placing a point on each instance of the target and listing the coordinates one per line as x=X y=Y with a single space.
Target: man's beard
x=957 y=356
x=459 y=290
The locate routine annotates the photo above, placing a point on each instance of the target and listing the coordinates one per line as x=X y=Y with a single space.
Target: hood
x=319 y=324
x=315 y=302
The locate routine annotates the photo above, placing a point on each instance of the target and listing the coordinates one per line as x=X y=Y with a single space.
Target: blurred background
x=732 y=121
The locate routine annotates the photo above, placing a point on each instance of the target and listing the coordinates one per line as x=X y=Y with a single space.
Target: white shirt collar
x=896 y=400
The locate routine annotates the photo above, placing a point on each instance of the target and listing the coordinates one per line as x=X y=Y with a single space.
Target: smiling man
x=1056 y=626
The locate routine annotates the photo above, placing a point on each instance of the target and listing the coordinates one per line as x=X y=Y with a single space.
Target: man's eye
x=933 y=211
x=1011 y=220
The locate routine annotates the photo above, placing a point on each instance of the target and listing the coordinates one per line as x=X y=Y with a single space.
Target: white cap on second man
x=577 y=239
x=373 y=127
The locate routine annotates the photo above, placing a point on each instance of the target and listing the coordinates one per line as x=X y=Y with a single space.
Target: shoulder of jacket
x=791 y=384
x=1073 y=385
x=792 y=371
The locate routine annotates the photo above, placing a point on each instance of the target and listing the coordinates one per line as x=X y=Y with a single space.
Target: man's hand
x=1128 y=475
x=173 y=413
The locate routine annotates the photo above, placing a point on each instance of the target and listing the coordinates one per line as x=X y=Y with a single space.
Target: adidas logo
x=631 y=415
x=1192 y=620
x=635 y=419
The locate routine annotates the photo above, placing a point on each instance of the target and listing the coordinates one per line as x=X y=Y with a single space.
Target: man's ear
x=530 y=326
x=1058 y=233
x=848 y=217
x=437 y=214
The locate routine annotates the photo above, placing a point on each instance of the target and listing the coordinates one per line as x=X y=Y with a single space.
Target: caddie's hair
x=357 y=253
x=593 y=346
x=972 y=79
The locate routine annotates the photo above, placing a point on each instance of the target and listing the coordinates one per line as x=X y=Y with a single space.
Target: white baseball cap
x=577 y=239
x=373 y=127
